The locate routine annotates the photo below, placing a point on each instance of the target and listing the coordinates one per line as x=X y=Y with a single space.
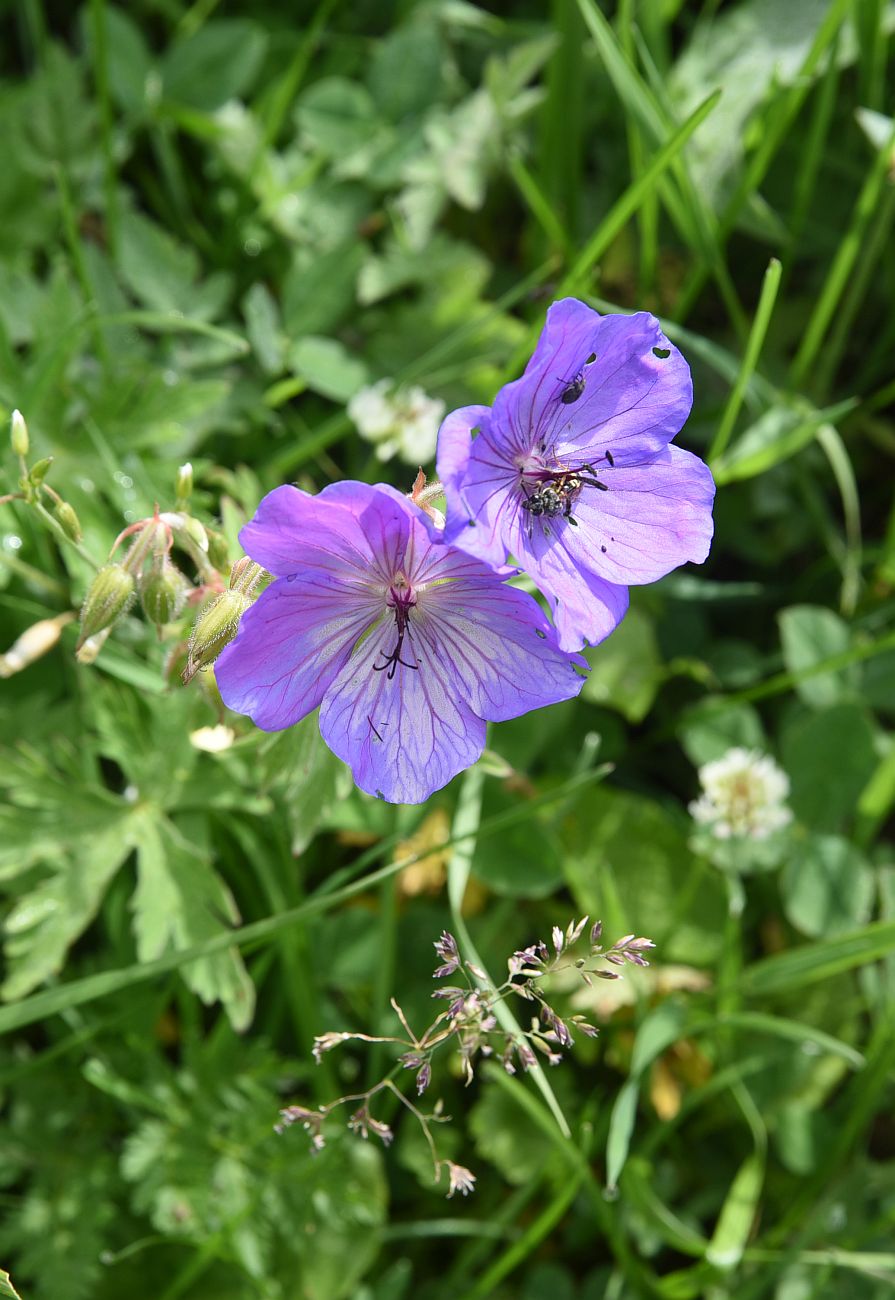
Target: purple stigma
x=402 y=600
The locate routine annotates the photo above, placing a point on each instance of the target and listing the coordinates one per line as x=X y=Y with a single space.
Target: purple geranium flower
x=573 y=474
x=408 y=645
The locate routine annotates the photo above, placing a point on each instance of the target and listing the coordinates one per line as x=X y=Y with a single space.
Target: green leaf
x=264 y=328
x=526 y=860
x=46 y=921
x=505 y=1136
x=162 y=274
x=811 y=634
x=327 y=367
x=180 y=901
x=336 y=116
x=129 y=60
x=305 y=773
x=627 y=669
x=628 y=862
x=830 y=757
x=708 y=738
x=341 y=1210
x=7 y=1290
x=405 y=72
x=320 y=290
x=217 y=63
x=827 y=885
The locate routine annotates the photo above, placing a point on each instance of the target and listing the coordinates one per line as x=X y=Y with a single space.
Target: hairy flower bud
x=163 y=594
x=218 y=550
x=18 y=434
x=245 y=575
x=216 y=625
x=109 y=595
x=68 y=520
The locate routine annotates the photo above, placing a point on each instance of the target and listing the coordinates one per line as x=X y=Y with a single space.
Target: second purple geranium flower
x=573 y=472
x=407 y=645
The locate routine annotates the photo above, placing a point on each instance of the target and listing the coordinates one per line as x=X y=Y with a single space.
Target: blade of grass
x=163 y=322
x=872 y=39
x=539 y=205
x=875 y=801
x=659 y=1028
x=629 y=202
x=763 y=312
x=814 y=150
x=561 y=141
x=536 y=1231
x=856 y=1112
x=101 y=74
x=79 y=261
x=616 y=218
x=830 y=441
x=732 y=1231
x=812 y=962
x=778 y=125
x=694 y=222
x=843 y=263
x=286 y=88
x=571 y=1151
x=855 y=295
x=648 y=216
x=793 y=1031
x=774 y=438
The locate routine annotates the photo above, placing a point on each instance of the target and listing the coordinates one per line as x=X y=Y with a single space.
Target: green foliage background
x=217 y=222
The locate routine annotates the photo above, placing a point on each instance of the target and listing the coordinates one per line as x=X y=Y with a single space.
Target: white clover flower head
x=399 y=421
x=743 y=796
x=213 y=740
x=372 y=411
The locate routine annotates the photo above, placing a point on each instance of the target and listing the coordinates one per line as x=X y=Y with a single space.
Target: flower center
x=400 y=600
x=550 y=487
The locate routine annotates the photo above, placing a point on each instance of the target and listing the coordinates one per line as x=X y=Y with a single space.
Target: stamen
x=401 y=600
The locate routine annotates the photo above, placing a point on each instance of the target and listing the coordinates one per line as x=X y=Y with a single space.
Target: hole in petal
x=661 y=353
x=541 y=634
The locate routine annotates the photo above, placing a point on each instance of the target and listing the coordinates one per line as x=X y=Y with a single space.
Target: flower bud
x=218 y=550
x=195 y=532
x=33 y=644
x=184 y=489
x=109 y=595
x=87 y=652
x=68 y=520
x=39 y=470
x=215 y=627
x=18 y=434
x=164 y=593
x=245 y=575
